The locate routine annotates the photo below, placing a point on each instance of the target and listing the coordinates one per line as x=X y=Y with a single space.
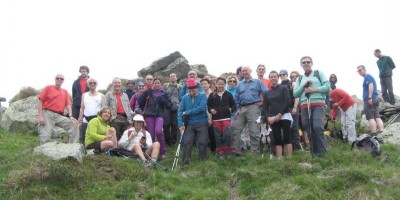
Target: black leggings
x=281 y=132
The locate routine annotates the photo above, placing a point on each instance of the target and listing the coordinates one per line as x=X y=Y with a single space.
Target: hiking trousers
x=200 y=131
x=52 y=120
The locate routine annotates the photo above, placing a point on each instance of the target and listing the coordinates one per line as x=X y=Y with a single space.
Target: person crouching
x=138 y=140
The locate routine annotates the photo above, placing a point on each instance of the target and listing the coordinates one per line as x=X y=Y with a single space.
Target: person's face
x=293 y=77
x=283 y=76
x=232 y=82
x=378 y=54
x=172 y=77
x=131 y=86
x=260 y=71
x=59 y=80
x=138 y=124
x=332 y=78
x=306 y=63
x=193 y=92
x=205 y=85
x=141 y=88
x=157 y=84
x=92 y=85
x=149 y=80
x=220 y=85
x=192 y=74
x=105 y=115
x=246 y=72
x=84 y=73
x=361 y=71
x=273 y=77
x=116 y=85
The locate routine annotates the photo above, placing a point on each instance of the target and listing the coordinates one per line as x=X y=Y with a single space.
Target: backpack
x=316 y=74
x=121 y=152
x=367 y=143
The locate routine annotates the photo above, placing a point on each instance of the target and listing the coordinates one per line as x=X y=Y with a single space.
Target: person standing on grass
x=205 y=84
x=193 y=120
x=78 y=88
x=172 y=90
x=312 y=93
x=53 y=100
x=247 y=99
x=386 y=66
x=220 y=104
x=90 y=106
x=121 y=111
x=348 y=106
x=276 y=110
x=99 y=135
x=371 y=102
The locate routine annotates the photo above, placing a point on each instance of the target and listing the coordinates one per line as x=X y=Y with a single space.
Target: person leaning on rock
x=52 y=102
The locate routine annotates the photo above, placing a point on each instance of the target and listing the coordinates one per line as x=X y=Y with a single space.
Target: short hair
x=304 y=57
x=222 y=79
x=273 y=72
x=157 y=79
x=294 y=72
x=377 y=50
x=238 y=70
x=260 y=65
x=84 y=67
x=205 y=79
x=103 y=110
x=361 y=66
x=91 y=80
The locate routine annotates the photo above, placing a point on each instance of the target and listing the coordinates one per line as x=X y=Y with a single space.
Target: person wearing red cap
x=193 y=119
x=184 y=90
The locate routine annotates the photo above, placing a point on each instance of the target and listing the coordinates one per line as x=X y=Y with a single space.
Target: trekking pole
x=177 y=152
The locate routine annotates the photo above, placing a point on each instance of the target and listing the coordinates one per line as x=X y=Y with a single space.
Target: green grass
x=339 y=174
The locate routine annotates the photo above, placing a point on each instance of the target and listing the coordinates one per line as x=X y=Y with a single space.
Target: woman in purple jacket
x=153 y=101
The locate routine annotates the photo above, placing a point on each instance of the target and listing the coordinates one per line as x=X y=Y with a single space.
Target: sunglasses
x=141 y=86
x=282 y=74
x=60 y=79
x=306 y=62
x=92 y=83
x=232 y=81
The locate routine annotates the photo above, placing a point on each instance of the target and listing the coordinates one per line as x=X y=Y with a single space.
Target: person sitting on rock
x=99 y=135
x=138 y=140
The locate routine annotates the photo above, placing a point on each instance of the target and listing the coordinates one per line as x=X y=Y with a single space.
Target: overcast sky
x=39 y=39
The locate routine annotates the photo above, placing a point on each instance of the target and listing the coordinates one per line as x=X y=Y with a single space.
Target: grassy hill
x=340 y=174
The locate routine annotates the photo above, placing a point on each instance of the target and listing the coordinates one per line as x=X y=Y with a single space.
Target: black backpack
x=367 y=143
x=121 y=152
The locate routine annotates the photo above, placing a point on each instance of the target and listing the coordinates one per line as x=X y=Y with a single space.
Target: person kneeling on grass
x=99 y=135
x=138 y=140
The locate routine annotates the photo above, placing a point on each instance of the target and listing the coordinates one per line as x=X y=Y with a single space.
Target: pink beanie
x=191 y=83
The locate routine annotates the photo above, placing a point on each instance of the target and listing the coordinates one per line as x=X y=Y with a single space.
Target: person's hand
x=278 y=117
x=41 y=120
x=370 y=102
x=271 y=120
x=294 y=110
x=143 y=141
x=335 y=104
x=213 y=111
x=182 y=129
x=310 y=90
x=183 y=113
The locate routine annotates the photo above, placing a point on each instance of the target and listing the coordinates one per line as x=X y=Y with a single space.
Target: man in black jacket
x=78 y=88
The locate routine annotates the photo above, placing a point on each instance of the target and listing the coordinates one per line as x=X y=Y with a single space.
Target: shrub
x=24 y=93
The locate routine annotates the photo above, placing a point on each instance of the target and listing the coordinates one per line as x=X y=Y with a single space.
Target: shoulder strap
x=316 y=73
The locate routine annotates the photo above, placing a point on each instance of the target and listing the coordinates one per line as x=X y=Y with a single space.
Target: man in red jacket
x=348 y=107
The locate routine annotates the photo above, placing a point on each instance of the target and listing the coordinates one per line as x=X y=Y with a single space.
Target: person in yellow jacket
x=99 y=135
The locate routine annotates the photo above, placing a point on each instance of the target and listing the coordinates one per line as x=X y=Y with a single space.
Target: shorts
x=96 y=146
x=371 y=111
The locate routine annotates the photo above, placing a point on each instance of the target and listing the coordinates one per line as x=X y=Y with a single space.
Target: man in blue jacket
x=193 y=119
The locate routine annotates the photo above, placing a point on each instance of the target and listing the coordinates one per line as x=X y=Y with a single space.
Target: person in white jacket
x=138 y=140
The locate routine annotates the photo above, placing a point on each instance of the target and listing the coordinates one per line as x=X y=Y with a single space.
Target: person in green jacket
x=99 y=135
x=385 y=65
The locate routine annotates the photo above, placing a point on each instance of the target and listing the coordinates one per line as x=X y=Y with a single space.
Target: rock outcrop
x=173 y=63
x=22 y=117
x=391 y=134
x=58 y=151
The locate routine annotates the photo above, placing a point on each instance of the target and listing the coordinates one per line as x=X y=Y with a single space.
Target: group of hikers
x=216 y=113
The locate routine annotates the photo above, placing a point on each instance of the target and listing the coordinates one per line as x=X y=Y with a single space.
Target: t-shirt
x=367 y=80
x=54 y=98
